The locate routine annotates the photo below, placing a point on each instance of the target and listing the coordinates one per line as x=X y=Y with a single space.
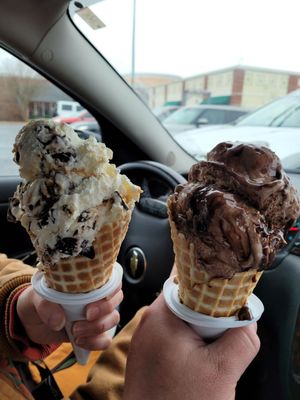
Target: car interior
x=44 y=36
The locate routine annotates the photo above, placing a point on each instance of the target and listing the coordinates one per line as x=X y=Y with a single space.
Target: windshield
x=281 y=112
x=191 y=52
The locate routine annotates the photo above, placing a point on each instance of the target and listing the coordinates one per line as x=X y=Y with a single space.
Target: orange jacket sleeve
x=14 y=275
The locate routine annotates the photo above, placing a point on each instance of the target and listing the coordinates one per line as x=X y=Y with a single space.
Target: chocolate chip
x=124 y=205
x=63 y=157
x=66 y=245
x=46 y=210
x=72 y=187
x=43 y=221
x=84 y=216
x=88 y=252
x=51 y=214
x=43 y=137
x=244 y=314
x=48 y=255
x=66 y=209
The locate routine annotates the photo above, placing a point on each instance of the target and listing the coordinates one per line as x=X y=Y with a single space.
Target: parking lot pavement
x=8 y=132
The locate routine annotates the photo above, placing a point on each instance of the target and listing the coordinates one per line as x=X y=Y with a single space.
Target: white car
x=197 y=116
x=275 y=125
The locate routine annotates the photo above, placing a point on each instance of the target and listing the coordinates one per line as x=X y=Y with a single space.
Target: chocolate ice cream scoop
x=254 y=173
x=235 y=209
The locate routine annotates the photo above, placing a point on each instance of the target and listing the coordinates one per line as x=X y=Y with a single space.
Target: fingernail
x=92 y=313
x=56 y=322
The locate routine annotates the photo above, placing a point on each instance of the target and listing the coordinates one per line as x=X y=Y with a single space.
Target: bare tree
x=21 y=83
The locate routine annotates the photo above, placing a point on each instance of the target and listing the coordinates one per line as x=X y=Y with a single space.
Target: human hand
x=168 y=360
x=44 y=321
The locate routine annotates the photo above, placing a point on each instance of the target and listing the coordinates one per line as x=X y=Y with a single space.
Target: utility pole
x=133 y=45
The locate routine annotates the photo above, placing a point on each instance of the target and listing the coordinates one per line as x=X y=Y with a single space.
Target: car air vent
x=293 y=239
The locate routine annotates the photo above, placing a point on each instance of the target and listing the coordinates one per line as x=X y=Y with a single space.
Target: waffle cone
x=80 y=274
x=215 y=297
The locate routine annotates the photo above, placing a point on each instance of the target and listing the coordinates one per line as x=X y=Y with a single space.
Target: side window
x=232 y=116
x=26 y=95
x=67 y=107
x=214 y=116
x=292 y=118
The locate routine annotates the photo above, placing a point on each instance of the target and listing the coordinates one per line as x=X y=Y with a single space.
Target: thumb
x=236 y=349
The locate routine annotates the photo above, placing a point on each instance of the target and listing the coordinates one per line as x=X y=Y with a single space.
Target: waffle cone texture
x=214 y=297
x=80 y=274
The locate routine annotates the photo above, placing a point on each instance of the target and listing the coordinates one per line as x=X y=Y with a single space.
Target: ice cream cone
x=215 y=297
x=81 y=274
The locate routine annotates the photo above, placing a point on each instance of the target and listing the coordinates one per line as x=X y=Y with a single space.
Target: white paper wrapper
x=208 y=327
x=74 y=304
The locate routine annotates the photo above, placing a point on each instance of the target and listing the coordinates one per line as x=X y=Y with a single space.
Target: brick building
x=244 y=86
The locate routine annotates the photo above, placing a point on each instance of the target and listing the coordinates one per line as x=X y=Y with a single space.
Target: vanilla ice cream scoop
x=70 y=190
x=44 y=146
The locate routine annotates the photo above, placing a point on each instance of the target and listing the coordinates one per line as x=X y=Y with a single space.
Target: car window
x=79 y=108
x=214 y=116
x=232 y=115
x=67 y=107
x=184 y=116
x=292 y=119
x=276 y=113
x=26 y=95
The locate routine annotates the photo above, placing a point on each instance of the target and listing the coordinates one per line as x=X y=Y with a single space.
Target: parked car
x=83 y=116
x=66 y=108
x=163 y=112
x=87 y=128
x=86 y=56
x=190 y=117
x=275 y=125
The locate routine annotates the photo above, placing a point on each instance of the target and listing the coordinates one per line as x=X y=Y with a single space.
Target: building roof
x=50 y=93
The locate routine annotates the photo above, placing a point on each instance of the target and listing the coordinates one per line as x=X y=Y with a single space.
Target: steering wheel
x=147 y=251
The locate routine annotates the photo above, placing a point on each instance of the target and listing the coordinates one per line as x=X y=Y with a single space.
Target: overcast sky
x=187 y=37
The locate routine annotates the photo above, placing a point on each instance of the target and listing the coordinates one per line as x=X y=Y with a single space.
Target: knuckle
x=116 y=318
x=100 y=328
x=109 y=307
x=105 y=342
